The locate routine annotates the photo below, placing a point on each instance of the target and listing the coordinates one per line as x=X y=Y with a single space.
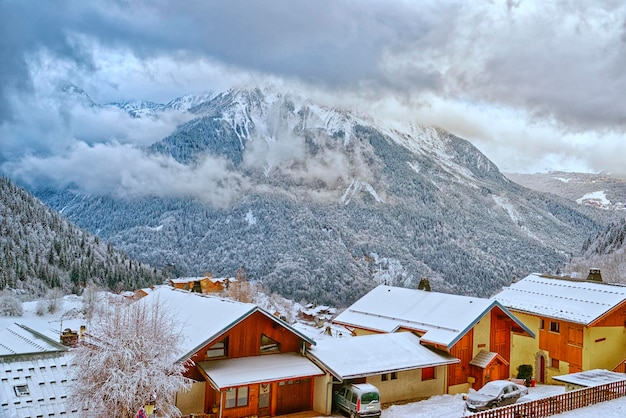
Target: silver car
x=494 y=394
x=358 y=400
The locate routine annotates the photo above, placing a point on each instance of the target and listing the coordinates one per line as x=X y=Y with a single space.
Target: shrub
x=525 y=371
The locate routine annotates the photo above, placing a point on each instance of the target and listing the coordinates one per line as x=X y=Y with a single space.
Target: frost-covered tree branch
x=129 y=358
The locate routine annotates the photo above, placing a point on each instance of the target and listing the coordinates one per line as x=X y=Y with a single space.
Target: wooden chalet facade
x=581 y=324
x=243 y=361
x=204 y=284
x=474 y=330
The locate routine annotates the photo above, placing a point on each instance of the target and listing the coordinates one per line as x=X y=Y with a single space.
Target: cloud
x=531 y=83
x=124 y=171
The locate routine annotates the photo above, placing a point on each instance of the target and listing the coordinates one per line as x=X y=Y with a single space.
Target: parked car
x=494 y=394
x=358 y=400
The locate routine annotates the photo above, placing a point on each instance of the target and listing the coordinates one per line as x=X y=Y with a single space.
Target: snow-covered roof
x=591 y=378
x=484 y=358
x=258 y=369
x=20 y=339
x=35 y=386
x=442 y=318
x=187 y=279
x=353 y=357
x=205 y=317
x=578 y=301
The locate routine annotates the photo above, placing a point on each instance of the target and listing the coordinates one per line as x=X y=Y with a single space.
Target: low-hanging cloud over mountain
x=535 y=85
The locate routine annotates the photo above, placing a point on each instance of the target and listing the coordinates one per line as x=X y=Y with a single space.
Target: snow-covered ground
x=443 y=406
x=453 y=406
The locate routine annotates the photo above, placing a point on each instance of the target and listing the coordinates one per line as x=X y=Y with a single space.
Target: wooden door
x=294 y=396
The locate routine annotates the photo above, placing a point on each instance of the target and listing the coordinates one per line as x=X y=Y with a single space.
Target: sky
x=535 y=85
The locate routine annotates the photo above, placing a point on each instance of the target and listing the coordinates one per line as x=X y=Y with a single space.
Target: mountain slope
x=600 y=190
x=39 y=250
x=321 y=204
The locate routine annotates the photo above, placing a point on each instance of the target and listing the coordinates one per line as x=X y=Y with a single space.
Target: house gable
x=244 y=338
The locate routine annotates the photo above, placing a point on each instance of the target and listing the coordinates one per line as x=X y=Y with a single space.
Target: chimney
x=424 y=284
x=594 y=275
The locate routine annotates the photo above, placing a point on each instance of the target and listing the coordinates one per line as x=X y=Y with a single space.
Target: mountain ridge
x=324 y=203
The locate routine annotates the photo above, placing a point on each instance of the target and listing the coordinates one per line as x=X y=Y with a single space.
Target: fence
x=557 y=404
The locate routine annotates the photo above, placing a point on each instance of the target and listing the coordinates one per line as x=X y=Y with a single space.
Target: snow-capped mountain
x=322 y=203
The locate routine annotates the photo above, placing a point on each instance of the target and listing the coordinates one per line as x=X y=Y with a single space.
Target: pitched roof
x=354 y=357
x=19 y=339
x=577 y=301
x=442 y=318
x=258 y=369
x=484 y=358
x=35 y=386
x=205 y=317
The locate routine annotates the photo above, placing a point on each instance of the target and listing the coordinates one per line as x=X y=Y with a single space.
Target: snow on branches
x=129 y=358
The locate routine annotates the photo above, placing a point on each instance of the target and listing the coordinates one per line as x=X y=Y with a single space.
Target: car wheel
x=493 y=405
x=352 y=415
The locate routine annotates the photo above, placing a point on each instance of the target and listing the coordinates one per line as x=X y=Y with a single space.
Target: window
x=242 y=396
x=219 y=349
x=428 y=373
x=554 y=326
x=542 y=324
x=268 y=345
x=21 y=390
x=236 y=397
x=554 y=363
x=388 y=376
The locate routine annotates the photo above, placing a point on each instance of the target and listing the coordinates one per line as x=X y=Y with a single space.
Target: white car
x=494 y=394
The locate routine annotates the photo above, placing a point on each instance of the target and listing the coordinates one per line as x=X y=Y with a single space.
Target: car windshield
x=490 y=390
x=369 y=397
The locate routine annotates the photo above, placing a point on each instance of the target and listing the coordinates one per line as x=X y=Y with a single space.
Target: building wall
x=323 y=394
x=482 y=331
x=191 y=401
x=605 y=347
x=409 y=385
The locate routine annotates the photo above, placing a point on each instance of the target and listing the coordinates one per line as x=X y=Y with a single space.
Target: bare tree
x=128 y=360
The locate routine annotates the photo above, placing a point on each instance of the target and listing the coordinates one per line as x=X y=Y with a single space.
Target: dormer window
x=21 y=390
x=218 y=350
x=269 y=345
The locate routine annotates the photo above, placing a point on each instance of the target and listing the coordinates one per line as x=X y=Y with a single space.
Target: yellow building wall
x=524 y=348
x=482 y=335
x=358 y=331
x=604 y=347
x=323 y=394
x=462 y=388
x=409 y=385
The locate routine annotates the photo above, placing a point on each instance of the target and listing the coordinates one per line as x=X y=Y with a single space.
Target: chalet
x=206 y=284
x=474 y=330
x=581 y=324
x=34 y=375
x=243 y=360
x=397 y=364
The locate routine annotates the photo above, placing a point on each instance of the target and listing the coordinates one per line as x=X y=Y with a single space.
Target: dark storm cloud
x=333 y=43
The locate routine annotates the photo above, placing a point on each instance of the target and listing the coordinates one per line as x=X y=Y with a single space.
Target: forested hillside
x=605 y=251
x=40 y=250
